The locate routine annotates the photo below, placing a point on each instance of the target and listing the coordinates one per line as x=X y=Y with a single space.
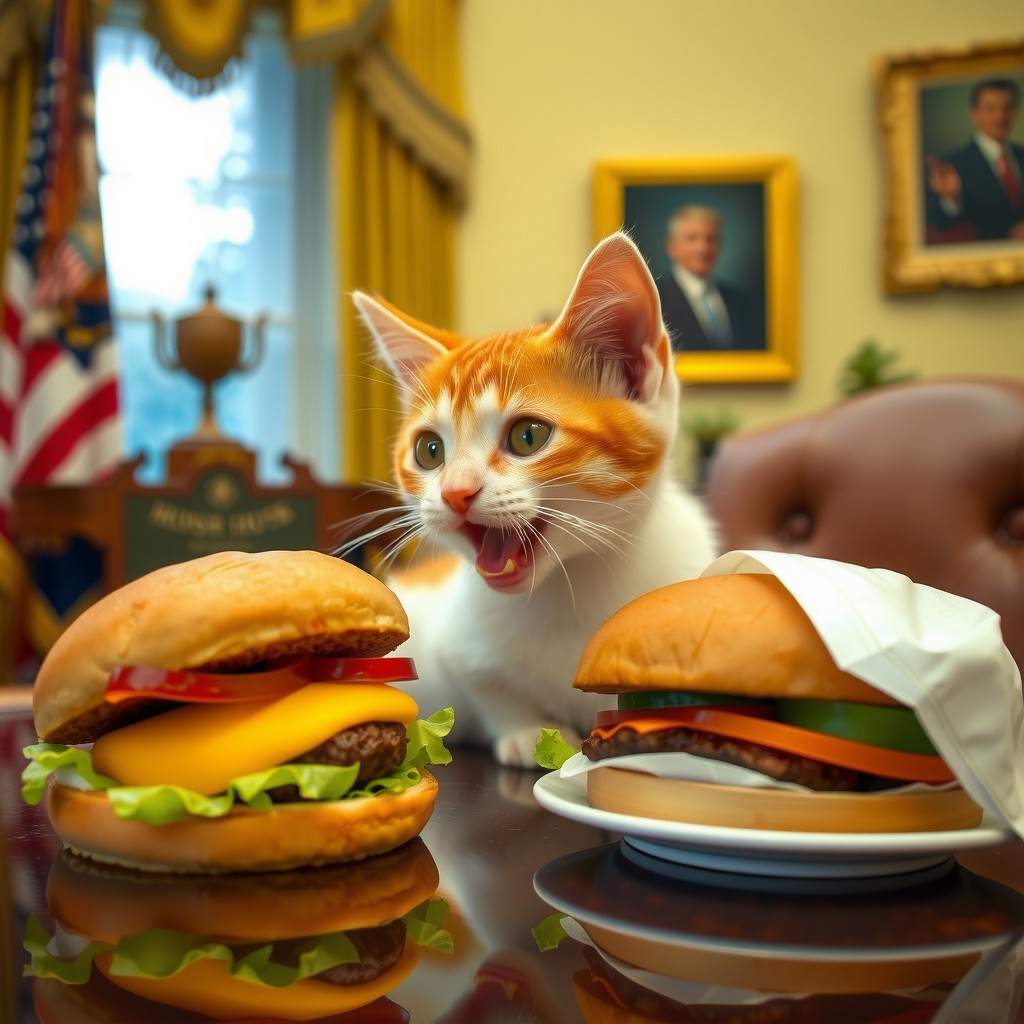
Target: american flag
x=59 y=410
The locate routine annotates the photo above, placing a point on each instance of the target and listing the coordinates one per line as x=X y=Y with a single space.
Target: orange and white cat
x=542 y=459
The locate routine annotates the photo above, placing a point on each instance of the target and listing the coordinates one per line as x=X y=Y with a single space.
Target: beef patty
x=378 y=747
x=378 y=948
x=775 y=763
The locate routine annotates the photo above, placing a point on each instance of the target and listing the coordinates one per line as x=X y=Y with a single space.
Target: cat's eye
x=429 y=450
x=528 y=436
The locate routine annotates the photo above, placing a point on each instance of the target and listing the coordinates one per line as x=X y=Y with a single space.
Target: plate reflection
x=663 y=946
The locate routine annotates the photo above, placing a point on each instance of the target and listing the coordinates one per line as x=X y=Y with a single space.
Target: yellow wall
x=554 y=85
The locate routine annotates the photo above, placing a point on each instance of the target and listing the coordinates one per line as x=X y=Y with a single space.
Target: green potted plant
x=870 y=367
x=707 y=429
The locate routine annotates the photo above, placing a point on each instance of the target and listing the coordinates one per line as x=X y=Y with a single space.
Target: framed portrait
x=720 y=237
x=953 y=145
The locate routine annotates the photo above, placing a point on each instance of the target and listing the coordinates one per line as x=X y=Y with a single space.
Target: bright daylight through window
x=198 y=191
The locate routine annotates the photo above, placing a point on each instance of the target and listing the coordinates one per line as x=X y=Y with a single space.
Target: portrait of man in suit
x=975 y=192
x=703 y=312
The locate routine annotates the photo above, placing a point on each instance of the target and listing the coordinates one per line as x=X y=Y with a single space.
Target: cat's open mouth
x=504 y=558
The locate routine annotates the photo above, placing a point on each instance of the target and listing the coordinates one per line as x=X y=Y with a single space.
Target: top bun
x=740 y=634
x=220 y=612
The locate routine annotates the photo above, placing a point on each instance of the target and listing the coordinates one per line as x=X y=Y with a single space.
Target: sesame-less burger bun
x=739 y=634
x=220 y=612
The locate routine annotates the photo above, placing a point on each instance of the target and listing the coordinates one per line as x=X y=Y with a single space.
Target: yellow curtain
x=401 y=155
x=17 y=84
x=400 y=163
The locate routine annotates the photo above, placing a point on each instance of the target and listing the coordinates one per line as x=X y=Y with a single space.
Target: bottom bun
x=207 y=987
x=638 y=794
x=99 y=1001
x=287 y=836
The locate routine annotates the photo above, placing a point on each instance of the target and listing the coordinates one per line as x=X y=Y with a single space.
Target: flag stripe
x=38 y=363
x=75 y=429
x=55 y=387
x=95 y=460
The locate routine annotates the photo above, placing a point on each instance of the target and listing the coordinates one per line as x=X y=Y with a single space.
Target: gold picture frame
x=927 y=117
x=756 y=199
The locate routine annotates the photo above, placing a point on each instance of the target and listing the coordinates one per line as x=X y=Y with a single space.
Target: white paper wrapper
x=937 y=653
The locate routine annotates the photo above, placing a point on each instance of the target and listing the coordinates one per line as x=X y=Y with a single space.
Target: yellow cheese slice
x=206 y=987
x=204 y=746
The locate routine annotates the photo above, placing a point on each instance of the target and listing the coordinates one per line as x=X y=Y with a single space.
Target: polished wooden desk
x=495 y=847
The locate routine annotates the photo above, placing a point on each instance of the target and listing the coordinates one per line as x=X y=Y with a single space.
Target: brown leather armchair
x=925 y=478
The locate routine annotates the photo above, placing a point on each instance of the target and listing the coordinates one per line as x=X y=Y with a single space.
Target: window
x=202 y=190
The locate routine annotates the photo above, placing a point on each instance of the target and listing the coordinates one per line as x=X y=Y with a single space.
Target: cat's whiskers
x=595 y=538
x=378 y=487
x=584 y=477
x=539 y=534
x=601 y=503
x=408 y=527
x=597 y=531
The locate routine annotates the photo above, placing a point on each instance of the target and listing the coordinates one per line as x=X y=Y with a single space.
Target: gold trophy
x=208 y=346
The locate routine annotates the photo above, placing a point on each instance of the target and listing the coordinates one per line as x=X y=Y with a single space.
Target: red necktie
x=1009 y=179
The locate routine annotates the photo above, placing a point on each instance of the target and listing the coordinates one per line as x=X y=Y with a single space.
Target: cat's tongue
x=501 y=555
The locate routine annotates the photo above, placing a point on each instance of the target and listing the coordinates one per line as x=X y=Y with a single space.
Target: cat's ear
x=403 y=343
x=615 y=311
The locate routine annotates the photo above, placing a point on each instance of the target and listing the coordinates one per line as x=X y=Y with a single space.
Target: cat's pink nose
x=459 y=498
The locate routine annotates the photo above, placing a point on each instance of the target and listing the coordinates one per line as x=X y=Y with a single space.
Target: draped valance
x=410 y=82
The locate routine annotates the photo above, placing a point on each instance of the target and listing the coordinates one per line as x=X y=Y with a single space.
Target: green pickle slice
x=889 y=727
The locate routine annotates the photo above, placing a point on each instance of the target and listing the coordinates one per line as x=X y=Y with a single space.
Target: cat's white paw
x=515 y=749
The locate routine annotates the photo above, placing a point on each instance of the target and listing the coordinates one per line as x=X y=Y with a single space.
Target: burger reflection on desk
x=324 y=945
x=679 y=948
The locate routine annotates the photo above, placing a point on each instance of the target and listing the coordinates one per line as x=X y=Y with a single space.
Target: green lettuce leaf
x=161 y=953
x=423 y=925
x=43 y=964
x=425 y=740
x=46 y=758
x=551 y=750
x=161 y=805
x=549 y=932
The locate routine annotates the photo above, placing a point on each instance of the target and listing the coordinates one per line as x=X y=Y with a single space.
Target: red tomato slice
x=863 y=757
x=143 y=682
x=362 y=670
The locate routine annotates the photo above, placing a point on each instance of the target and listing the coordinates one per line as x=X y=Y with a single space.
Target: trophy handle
x=160 y=335
x=255 y=354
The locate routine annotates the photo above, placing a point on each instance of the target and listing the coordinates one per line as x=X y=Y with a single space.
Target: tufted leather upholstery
x=926 y=478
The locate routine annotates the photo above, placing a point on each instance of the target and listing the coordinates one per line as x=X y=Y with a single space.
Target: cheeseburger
x=730 y=669
x=284 y=946
x=233 y=713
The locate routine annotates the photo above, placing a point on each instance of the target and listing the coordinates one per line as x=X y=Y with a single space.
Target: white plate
x=759 y=851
